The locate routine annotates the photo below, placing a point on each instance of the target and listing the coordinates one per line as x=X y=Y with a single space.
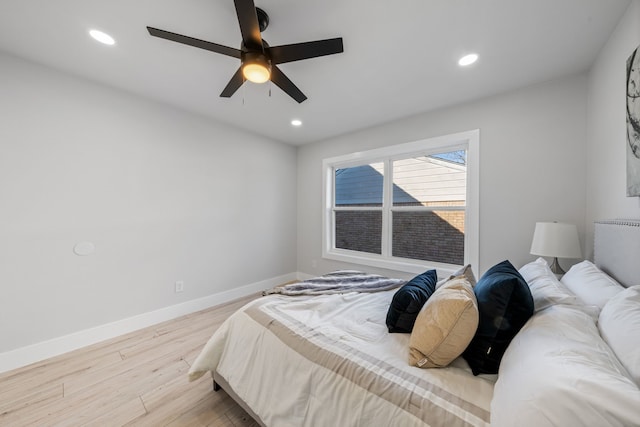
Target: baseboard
x=305 y=276
x=43 y=350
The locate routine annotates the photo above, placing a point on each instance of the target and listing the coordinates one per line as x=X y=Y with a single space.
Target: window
x=406 y=207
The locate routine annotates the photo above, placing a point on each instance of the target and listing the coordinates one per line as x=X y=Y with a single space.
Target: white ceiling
x=400 y=57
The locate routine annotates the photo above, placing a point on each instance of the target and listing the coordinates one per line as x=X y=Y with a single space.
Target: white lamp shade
x=556 y=239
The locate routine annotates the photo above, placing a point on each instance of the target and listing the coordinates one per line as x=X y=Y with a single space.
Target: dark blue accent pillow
x=504 y=304
x=408 y=301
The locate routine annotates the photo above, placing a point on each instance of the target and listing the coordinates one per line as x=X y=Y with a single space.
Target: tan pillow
x=445 y=325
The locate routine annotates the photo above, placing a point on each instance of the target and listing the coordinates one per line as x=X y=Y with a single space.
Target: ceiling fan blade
x=190 y=41
x=233 y=85
x=248 y=20
x=298 y=51
x=283 y=82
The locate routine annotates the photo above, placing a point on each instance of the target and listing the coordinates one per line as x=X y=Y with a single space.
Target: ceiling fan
x=258 y=60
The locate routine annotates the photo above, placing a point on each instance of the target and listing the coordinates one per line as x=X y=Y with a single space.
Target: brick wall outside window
x=359 y=231
x=433 y=236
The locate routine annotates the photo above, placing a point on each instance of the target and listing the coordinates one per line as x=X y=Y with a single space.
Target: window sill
x=404 y=265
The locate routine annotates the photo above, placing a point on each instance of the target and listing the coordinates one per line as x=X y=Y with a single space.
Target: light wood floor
x=138 y=379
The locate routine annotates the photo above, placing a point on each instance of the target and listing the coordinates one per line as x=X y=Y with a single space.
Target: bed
x=328 y=359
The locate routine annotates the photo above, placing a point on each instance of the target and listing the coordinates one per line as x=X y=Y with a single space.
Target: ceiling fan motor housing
x=256 y=58
x=263 y=19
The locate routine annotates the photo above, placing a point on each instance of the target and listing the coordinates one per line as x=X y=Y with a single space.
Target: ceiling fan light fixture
x=256 y=68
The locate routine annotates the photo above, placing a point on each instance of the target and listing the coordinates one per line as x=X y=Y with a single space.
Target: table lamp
x=557 y=240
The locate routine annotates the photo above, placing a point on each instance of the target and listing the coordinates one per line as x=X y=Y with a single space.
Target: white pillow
x=545 y=288
x=590 y=284
x=619 y=325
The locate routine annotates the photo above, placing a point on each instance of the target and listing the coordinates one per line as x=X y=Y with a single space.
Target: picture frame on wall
x=633 y=124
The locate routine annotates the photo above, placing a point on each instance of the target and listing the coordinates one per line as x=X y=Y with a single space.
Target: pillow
x=505 y=304
x=545 y=287
x=408 y=301
x=445 y=325
x=590 y=284
x=619 y=326
x=465 y=271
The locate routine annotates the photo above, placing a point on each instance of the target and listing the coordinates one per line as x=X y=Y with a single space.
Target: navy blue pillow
x=504 y=304
x=408 y=301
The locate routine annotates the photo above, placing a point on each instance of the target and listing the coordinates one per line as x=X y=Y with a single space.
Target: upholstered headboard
x=617 y=249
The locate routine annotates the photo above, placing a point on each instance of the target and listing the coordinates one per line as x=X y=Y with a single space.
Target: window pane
x=435 y=180
x=359 y=231
x=360 y=185
x=429 y=235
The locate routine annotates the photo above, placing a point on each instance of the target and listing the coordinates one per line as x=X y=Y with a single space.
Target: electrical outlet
x=179 y=286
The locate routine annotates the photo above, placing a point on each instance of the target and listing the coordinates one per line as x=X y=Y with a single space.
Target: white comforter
x=559 y=372
x=329 y=361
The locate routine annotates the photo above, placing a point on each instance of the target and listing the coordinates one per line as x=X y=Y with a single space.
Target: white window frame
x=468 y=140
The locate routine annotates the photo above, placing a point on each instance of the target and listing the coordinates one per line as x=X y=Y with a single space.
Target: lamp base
x=555 y=267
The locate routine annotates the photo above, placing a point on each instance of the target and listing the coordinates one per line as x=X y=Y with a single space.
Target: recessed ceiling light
x=468 y=59
x=296 y=122
x=102 y=37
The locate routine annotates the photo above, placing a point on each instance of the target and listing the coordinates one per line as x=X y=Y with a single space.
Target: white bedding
x=348 y=371
x=559 y=372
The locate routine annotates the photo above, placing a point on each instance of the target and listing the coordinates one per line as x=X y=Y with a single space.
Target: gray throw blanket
x=338 y=282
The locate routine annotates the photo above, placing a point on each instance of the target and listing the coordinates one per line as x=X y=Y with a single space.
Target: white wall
x=531 y=167
x=606 y=127
x=163 y=195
